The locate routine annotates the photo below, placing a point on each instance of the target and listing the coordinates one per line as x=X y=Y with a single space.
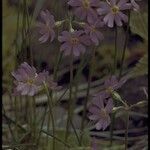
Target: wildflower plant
x=79 y=35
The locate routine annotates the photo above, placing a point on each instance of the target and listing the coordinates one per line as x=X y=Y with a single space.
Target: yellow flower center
x=30 y=81
x=93 y=29
x=109 y=90
x=115 y=9
x=74 y=41
x=86 y=4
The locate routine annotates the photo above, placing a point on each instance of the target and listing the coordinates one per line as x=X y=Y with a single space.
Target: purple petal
x=109 y=20
x=125 y=6
x=105 y=123
x=98 y=125
x=99 y=35
x=98 y=101
x=95 y=3
x=44 y=38
x=94 y=38
x=76 y=50
x=91 y=16
x=123 y=17
x=135 y=5
x=79 y=12
x=118 y=20
x=93 y=117
x=32 y=91
x=52 y=34
x=122 y=2
x=25 y=90
x=85 y=40
x=109 y=105
x=75 y=3
x=81 y=48
x=94 y=110
x=65 y=46
x=113 y=2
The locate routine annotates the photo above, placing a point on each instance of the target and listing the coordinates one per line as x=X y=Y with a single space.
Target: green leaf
x=141 y=67
x=139 y=24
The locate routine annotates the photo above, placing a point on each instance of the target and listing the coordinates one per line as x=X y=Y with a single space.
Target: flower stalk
x=51 y=112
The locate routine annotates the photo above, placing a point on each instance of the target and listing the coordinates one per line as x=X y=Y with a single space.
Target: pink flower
x=74 y=42
x=92 y=29
x=85 y=9
x=113 y=12
x=100 y=112
x=29 y=82
x=46 y=26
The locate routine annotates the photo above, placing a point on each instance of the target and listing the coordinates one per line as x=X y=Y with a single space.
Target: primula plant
x=60 y=97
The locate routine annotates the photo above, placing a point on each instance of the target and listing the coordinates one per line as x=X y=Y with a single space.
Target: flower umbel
x=113 y=12
x=74 y=42
x=85 y=9
x=28 y=82
x=46 y=26
x=100 y=112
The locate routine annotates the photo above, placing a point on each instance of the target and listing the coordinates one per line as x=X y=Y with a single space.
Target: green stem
x=126 y=131
x=70 y=99
x=58 y=139
x=125 y=45
x=51 y=112
x=87 y=95
x=116 y=51
x=58 y=59
x=112 y=127
x=39 y=136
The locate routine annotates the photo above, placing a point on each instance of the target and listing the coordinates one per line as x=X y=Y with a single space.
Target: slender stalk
x=126 y=131
x=112 y=127
x=9 y=126
x=51 y=113
x=116 y=51
x=48 y=125
x=87 y=95
x=58 y=139
x=70 y=99
x=39 y=135
x=34 y=117
x=125 y=45
x=58 y=59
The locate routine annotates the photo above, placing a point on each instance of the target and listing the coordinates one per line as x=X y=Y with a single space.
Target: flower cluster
x=102 y=103
x=112 y=11
x=97 y=13
x=29 y=82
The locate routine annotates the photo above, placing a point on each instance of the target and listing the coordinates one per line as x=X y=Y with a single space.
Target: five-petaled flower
x=92 y=29
x=74 y=42
x=29 y=82
x=46 y=26
x=100 y=112
x=110 y=85
x=113 y=12
x=85 y=9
